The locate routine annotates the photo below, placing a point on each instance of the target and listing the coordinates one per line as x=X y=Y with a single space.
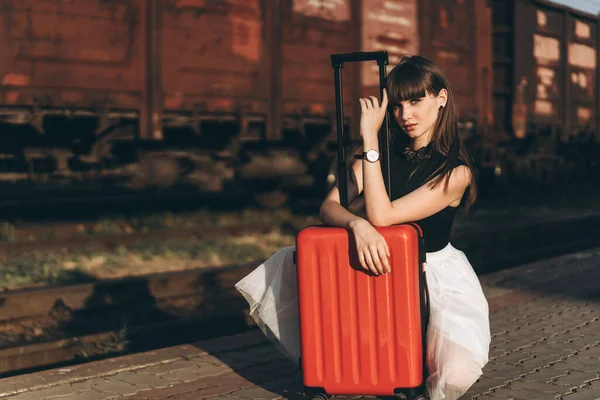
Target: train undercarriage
x=214 y=154
x=80 y=151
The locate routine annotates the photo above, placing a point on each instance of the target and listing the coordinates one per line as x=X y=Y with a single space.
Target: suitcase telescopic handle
x=360 y=56
x=337 y=62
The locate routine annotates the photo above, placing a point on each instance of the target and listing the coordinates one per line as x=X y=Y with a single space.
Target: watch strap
x=363 y=155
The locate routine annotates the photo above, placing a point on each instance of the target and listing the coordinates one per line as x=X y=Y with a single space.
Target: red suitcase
x=361 y=334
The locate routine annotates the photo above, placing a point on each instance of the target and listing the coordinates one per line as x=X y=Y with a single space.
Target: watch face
x=372 y=155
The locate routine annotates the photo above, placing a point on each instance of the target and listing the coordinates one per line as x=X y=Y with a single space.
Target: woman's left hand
x=372 y=115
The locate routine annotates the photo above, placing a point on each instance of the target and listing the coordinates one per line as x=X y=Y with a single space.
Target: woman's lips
x=410 y=127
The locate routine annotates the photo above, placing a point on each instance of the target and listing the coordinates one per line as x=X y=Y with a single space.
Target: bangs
x=407 y=82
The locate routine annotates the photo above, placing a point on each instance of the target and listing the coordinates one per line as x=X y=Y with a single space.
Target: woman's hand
x=372 y=115
x=373 y=250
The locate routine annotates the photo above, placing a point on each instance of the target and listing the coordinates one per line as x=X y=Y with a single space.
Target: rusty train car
x=546 y=87
x=238 y=94
x=545 y=58
x=217 y=94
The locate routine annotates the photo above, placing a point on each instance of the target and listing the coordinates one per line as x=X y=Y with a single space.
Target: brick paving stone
x=252 y=357
x=228 y=343
x=204 y=388
x=574 y=364
x=211 y=391
x=236 y=363
x=524 y=394
x=505 y=371
x=54 y=392
x=514 y=357
x=142 y=380
x=485 y=383
x=298 y=396
x=112 y=386
x=564 y=347
x=183 y=396
x=144 y=395
x=592 y=352
x=577 y=378
x=230 y=397
x=588 y=392
x=255 y=393
x=175 y=389
x=275 y=369
x=285 y=385
x=537 y=386
x=86 y=395
x=160 y=369
x=539 y=359
x=192 y=374
x=583 y=395
x=93 y=369
x=545 y=375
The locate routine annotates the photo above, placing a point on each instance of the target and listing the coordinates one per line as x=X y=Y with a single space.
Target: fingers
x=370 y=263
x=373 y=252
x=372 y=102
x=362 y=260
x=384 y=258
x=376 y=259
x=366 y=261
x=367 y=103
x=384 y=99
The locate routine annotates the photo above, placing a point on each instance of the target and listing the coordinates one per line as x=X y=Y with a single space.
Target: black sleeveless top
x=437 y=227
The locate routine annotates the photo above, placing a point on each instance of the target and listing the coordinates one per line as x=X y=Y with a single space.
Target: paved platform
x=545 y=319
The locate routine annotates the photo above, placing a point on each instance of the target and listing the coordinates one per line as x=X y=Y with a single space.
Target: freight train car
x=546 y=88
x=215 y=95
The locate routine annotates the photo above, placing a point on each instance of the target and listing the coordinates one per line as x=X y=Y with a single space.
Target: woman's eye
x=414 y=101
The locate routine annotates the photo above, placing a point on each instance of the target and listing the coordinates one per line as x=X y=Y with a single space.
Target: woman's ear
x=443 y=97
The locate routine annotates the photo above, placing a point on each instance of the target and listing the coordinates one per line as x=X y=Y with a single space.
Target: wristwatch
x=369 y=155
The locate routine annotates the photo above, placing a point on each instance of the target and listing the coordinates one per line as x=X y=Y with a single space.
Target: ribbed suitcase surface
x=360 y=334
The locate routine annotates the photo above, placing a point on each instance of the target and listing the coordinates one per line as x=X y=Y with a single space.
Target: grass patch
x=170 y=255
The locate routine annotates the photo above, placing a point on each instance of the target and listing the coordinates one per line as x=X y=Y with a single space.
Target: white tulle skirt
x=458 y=336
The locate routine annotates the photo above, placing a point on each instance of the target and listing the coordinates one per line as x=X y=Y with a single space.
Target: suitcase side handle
x=425 y=313
x=337 y=62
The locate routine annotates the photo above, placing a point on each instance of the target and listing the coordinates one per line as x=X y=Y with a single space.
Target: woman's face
x=416 y=117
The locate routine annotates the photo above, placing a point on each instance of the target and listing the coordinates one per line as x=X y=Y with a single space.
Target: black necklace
x=416 y=156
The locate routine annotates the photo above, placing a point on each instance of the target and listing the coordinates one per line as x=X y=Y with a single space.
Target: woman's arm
x=420 y=203
x=373 y=251
x=332 y=213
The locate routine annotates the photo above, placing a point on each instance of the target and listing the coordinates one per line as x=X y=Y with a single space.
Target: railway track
x=94 y=203
x=82 y=322
x=79 y=323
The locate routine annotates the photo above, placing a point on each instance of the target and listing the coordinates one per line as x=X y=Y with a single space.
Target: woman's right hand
x=373 y=250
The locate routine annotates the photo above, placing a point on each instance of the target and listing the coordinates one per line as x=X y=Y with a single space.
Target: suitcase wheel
x=320 y=396
x=420 y=397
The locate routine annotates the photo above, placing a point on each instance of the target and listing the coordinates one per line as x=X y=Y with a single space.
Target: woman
x=431 y=175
